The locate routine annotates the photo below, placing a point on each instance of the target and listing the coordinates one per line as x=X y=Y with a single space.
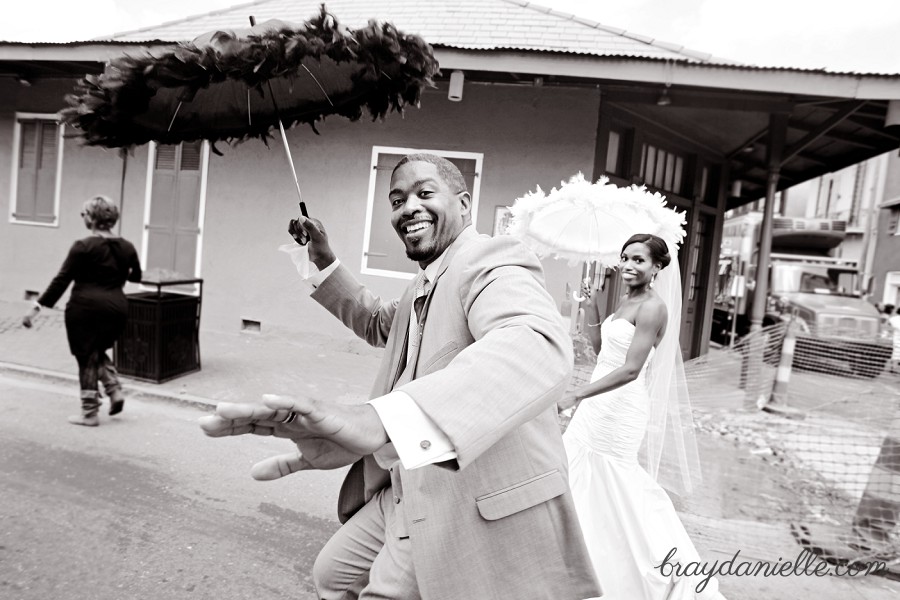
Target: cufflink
x=425 y=444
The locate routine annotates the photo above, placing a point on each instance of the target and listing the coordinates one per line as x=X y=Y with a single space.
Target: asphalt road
x=146 y=506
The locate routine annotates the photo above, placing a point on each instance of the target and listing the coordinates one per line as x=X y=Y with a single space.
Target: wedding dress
x=628 y=521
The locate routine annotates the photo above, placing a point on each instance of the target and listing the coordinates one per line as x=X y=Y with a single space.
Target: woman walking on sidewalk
x=95 y=314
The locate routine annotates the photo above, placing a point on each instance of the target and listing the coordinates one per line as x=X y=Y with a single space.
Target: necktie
x=420 y=293
x=423 y=286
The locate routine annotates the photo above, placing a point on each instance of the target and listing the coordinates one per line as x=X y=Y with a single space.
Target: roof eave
x=539 y=63
x=77 y=51
x=649 y=70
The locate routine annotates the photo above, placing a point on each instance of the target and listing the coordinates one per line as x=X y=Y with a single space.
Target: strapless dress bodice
x=614 y=423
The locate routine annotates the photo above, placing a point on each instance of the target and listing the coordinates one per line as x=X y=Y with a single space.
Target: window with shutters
x=383 y=252
x=662 y=169
x=174 y=210
x=37 y=166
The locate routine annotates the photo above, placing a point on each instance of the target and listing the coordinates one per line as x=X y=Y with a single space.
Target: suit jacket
x=494 y=358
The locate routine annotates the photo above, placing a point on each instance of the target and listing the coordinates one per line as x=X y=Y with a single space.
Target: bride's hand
x=567 y=401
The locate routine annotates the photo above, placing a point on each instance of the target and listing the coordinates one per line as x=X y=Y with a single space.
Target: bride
x=630 y=526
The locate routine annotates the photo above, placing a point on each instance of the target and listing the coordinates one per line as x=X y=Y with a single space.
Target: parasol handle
x=287 y=151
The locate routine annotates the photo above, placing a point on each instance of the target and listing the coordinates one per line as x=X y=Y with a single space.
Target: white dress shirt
x=416 y=440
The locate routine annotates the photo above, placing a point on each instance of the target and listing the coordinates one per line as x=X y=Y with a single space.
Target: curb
x=132 y=390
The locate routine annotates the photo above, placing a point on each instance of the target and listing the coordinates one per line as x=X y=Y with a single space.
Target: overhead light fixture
x=457 y=79
x=23 y=81
x=736 y=188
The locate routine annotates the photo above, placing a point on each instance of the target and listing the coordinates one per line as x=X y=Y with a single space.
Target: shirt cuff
x=415 y=438
x=316 y=279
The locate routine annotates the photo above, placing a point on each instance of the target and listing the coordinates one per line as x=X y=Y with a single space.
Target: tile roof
x=462 y=24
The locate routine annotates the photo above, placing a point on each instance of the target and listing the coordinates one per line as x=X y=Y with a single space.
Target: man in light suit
x=459 y=486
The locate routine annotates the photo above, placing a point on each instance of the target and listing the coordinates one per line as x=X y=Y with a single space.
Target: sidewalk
x=235 y=367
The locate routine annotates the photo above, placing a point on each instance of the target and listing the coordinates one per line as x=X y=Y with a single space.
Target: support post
x=755 y=394
x=774 y=151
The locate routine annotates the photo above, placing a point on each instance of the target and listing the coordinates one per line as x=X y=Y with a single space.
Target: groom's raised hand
x=312 y=231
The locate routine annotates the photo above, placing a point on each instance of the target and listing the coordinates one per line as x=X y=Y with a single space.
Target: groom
x=458 y=487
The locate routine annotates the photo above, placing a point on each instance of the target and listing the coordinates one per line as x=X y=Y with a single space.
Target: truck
x=837 y=329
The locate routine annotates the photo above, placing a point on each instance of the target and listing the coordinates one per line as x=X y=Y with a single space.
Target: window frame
x=478 y=157
x=893 y=219
x=16 y=163
x=610 y=124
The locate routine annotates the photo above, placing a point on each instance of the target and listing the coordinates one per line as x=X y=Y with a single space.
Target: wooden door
x=696 y=258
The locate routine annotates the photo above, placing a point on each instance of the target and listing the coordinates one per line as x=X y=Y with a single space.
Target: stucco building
x=545 y=95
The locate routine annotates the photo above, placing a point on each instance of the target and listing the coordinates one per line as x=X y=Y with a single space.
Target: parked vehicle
x=819 y=292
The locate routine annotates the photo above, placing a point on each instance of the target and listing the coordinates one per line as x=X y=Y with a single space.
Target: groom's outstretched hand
x=327 y=435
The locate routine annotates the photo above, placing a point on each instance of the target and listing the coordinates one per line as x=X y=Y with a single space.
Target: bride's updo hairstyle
x=659 y=252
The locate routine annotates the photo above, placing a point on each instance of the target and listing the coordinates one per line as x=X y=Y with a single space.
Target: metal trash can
x=162 y=334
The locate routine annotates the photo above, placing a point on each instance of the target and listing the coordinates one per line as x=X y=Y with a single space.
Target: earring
x=652 y=279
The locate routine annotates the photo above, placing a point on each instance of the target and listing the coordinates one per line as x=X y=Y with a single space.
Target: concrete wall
x=529 y=136
x=887 y=249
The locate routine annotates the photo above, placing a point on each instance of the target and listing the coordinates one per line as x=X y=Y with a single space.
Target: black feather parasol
x=235 y=85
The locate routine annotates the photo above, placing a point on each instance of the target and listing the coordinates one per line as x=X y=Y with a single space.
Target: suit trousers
x=366 y=559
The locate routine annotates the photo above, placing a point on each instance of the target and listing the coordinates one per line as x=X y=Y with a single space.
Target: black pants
x=92 y=328
x=95 y=368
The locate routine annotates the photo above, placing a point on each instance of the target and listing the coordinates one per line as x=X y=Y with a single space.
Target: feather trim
x=395 y=68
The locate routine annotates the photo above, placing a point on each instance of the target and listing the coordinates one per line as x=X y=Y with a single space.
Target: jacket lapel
x=399 y=348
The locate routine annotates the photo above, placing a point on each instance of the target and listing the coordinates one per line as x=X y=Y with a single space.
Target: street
x=146 y=506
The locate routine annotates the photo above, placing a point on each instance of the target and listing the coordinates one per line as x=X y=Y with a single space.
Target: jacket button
x=396 y=500
x=425 y=444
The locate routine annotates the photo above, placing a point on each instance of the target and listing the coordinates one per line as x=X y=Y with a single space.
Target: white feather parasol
x=584 y=222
